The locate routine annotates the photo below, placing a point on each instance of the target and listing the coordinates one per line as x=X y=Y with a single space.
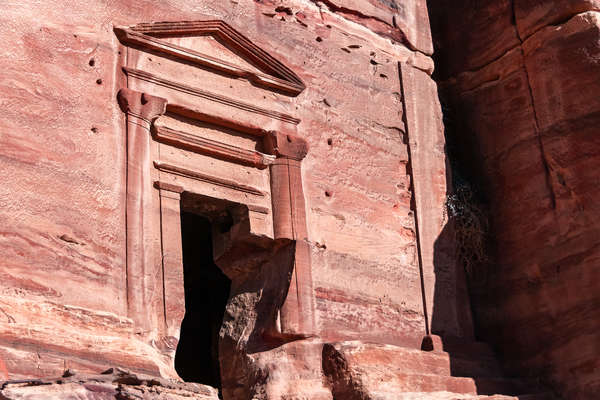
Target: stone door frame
x=153 y=212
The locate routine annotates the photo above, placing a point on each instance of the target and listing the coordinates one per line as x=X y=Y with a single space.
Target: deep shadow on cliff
x=463 y=266
x=519 y=84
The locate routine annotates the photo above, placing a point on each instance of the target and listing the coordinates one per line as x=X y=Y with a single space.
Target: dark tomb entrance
x=206 y=294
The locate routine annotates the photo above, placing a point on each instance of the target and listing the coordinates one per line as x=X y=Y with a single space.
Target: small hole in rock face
x=327 y=193
x=99 y=81
x=330 y=141
x=319 y=39
x=94 y=129
x=92 y=62
x=289 y=138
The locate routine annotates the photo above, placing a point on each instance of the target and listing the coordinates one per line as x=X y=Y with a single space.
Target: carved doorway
x=206 y=293
x=201 y=129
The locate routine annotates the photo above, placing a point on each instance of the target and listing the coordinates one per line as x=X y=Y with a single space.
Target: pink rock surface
x=358 y=370
x=527 y=120
x=310 y=135
x=532 y=15
x=112 y=384
x=89 y=222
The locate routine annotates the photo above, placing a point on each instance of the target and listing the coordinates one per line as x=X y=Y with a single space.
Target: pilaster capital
x=284 y=145
x=141 y=105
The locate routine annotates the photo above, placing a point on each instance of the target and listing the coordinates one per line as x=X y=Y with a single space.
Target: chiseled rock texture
x=111 y=384
x=366 y=371
x=520 y=82
x=63 y=286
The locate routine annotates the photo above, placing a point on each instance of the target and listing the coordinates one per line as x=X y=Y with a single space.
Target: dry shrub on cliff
x=471 y=230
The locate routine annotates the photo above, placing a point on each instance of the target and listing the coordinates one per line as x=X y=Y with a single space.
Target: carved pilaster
x=141 y=109
x=289 y=222
x=172 y=260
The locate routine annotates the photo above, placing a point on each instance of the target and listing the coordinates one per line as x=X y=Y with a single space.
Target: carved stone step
x=413 y=361
x=388 y=358
x=475 y=367
x=436 y=396
x=374 y=371
x=451 y=396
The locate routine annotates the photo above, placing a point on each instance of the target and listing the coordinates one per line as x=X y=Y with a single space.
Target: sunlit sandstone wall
x=62 y=155
x=521 y=83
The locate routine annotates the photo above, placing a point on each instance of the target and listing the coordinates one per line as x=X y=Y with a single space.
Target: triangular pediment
x=231 y=53
x=214 y=47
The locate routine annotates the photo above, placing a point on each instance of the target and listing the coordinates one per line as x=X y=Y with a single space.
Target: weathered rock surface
x=531 y=15
x=350 y=370
x=111 y=384
x=526 y=119
x=73 y=291
x=488 y=36
x=358 y=370
x=63 y=286
x=85 y=280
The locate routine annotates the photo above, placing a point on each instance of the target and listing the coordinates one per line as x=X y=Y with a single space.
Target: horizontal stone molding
x=226 y=183
x=210 y=147
x=168 y=187
x=258 y=209
x=176 y=189
x=200 y=115
x=180 y=87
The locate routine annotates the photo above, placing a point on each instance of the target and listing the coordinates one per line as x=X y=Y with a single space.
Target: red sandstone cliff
x=520 y=81
x=345 y=100
x=67 y=297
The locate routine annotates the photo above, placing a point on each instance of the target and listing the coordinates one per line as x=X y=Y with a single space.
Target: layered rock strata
x=520 y=80
x=86 y=284
x=350 y=371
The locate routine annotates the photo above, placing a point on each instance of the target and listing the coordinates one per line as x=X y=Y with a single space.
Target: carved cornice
x=226 y=183
x=286 y=145
x=148 y=35
x=210 y=147
x=253 y=129
x=168 y=187
x=141 y=105
x=145 y=76
x=258 y=209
